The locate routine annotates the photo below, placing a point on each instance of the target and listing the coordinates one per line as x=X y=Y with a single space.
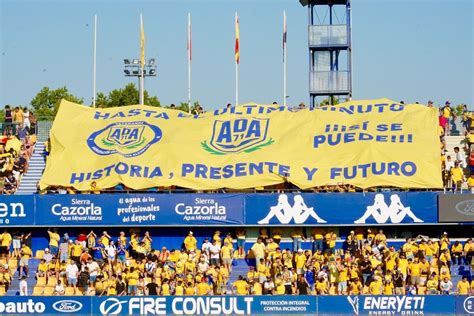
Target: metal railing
x=329 y=81
x=327 y=35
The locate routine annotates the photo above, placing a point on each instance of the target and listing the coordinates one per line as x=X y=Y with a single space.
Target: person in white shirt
x=59 y=289
x=93 y=270
x=111 y=252
x=214 y=251
x=71 y=273
x=459 y=157
x=446 y=286
x=203 y=266
x=150 y=267
x=205 y=247
x=23 y=287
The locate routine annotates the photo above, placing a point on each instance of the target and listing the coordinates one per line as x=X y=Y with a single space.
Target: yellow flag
x=142 y=42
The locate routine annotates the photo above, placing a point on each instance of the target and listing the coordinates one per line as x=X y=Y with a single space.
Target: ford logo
x=67 y=306
x=465 y=207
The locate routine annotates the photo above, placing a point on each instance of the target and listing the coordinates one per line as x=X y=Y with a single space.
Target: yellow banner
x=365 y=143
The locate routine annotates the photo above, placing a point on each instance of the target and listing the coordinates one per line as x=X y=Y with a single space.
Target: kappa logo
x=285 y=213
x=129 y=139
x=382 y=213
x=354 y=301
x=238 y=135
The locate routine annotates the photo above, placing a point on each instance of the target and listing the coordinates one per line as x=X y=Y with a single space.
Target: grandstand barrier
x=219 y=209
x=456 y=208
x=243 y=305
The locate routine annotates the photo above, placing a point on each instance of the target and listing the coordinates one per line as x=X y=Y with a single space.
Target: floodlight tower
x=134 y=69
x=330 y=50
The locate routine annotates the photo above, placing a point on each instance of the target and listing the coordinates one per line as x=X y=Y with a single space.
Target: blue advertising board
x=464 y=305
x=386 y=305
x=204 y=305
x=219 y=209
x=52 y=305
x=17 y=210
x=337 y=208
x=243 y=305
x=140 y=209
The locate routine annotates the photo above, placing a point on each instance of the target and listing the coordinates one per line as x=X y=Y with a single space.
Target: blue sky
x=402 y=49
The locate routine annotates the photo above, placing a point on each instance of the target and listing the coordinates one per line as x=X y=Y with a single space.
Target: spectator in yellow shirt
x=317 y=235
x=468 y=251
x=375 y=287
x=432 y=285
x=300 y=260
x=241 y=287
x=258 y=250
x=189 y=290
x=470 y=182
x=53 y=241
x=380 y=237
x=203 y=288
x=6 y=239
x=457 y=252
x=457 y=176
x=271 y=248
x=133 y=277
x=463 y=287
x=226 y=255
x=276 y=235
x=26 y=254
x=190 y=242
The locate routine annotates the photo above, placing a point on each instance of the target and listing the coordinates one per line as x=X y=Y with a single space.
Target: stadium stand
x=361 y=262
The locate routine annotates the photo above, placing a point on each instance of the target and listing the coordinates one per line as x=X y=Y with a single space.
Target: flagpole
x=95 y=61
x=284 y=58
x=237 y=62
x=189 y=62
x=236 y=83
x=142 y=65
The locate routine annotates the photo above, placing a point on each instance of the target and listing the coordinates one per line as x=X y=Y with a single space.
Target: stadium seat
x=69 y=291
x=48 y=291
x=38 y=291
x=2 y=290
x=41 y=281
x=52 y=282
x=39 y=254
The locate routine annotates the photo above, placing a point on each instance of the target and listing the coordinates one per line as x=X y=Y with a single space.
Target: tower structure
x=330 y=51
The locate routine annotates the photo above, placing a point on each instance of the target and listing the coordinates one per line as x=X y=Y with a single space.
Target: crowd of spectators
x=16 y=147
x=366 y=264
x=457 y=169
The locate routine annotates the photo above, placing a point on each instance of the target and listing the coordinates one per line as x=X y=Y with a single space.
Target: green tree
x=326 y=102
x=458 y=110
x=46 y=103
x=184 y=106
x=126 y=96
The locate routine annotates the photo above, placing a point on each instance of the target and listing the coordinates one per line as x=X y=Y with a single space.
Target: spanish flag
x=237 y=39
x=142 y=42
